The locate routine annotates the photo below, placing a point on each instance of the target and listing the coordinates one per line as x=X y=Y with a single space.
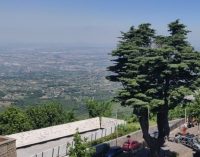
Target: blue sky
x=91 y=22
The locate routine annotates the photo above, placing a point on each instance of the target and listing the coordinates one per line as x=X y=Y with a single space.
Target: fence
x=62 y=150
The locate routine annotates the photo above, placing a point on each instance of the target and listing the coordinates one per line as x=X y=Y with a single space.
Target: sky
x=91 y=22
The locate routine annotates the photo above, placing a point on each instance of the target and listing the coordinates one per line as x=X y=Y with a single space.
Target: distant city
x=29 y=76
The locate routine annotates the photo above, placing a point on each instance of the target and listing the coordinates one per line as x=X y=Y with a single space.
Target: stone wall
x=108 y=122
x=177 y=124
x=7 y=147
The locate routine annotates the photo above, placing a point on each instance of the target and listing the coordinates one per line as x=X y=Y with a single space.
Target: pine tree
x=153 y=70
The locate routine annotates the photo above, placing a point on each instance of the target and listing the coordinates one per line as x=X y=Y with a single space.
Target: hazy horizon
x=86 y=23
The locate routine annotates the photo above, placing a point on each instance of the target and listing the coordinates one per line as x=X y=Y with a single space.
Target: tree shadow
x=168 y=153
x=196 y=154
x=146 y=153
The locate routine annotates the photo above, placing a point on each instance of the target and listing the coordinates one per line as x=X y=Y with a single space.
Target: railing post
x=52 y=152
x=101 y=133
x=95 y=135
x=66 y=149
x=58 y=150
x=91 y=137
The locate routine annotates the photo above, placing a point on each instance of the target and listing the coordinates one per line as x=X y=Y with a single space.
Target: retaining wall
x=138 y=135
x=54 y=132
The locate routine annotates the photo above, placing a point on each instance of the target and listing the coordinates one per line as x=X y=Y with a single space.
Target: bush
x=14 y=120
x=45 y=115
x=81 y=147
x=121 y=131
x=98 y=108
x=177 y=112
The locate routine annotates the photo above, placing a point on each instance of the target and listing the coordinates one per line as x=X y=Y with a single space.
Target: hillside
x=29 y=76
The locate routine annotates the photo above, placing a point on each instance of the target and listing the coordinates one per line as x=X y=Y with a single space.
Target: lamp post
x=148 y=111
x=185 y=115
x=189 y=98
x=116 y=127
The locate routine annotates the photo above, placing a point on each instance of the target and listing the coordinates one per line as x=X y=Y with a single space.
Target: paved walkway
x=182 y=150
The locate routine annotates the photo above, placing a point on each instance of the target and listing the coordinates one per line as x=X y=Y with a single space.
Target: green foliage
x=2 y=94
x=98 y=108
x=193 y=107
x=177 y=96
x=81 y=147
x=177 y=112
x=122 y=130
x=132 y=119
x=48 y=114
x=151 y=68
x=156 y=72
x=69 y=116
x=14 y=120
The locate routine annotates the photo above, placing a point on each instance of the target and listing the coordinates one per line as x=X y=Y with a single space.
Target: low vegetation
x=80 y=147
x=98 y=108
x=121 y=131
x=191 y=107
x=14 y=119
x=131 y=126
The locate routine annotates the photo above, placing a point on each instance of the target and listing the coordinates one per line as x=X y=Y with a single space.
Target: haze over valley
x=29 y=76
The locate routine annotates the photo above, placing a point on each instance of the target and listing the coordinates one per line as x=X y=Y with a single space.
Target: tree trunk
x=155 y=144
x=152 y=143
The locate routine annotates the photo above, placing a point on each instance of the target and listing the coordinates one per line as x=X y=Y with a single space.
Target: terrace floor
x=180 y=149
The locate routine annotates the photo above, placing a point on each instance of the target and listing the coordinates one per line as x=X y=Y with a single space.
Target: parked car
x=114 y=151
x=130 y=146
